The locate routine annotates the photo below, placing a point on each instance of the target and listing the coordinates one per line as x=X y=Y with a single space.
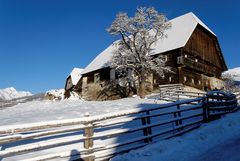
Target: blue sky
x=42 y=40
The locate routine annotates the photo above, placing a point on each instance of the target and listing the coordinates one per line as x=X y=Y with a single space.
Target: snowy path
x=215 y=141
x=228 y=151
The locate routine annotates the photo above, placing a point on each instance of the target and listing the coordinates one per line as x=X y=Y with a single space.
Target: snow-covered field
x=215 y=141
x=41 y=111
x=192 y=146
x=37 y=111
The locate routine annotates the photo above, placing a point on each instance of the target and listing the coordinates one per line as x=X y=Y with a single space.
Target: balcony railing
x=198 y=66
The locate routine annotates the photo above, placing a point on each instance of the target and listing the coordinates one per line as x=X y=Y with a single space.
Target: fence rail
x=177 y=92
x=103 y=136
x=237 y=94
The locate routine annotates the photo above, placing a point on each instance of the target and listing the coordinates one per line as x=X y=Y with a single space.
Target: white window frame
x=193 y=81
x=166 y=57
x=185 y=79
x=97 y=78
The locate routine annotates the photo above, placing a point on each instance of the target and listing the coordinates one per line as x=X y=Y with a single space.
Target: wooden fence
x=174 y=92
x=219 y=103
x=104 y=136
x=237 y=94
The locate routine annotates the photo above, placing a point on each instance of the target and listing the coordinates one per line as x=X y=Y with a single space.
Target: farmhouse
x=191 y=49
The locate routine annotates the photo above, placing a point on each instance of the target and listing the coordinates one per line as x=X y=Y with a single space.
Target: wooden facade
x=199 y=64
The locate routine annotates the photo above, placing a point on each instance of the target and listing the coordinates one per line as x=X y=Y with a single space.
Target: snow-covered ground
x=41 y=111
x=37 y=111
x=11 y=93
x=186 y=147
x=218 y=140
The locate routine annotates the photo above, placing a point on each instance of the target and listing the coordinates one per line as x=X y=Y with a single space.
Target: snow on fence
x=238 y=96
x=104 y=136
x=219 y=103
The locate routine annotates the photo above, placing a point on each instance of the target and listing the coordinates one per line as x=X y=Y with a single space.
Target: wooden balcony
x=198 y=66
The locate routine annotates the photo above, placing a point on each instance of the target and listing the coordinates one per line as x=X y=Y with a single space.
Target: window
x=170 y=79
x=166 y=58
x=121 y=74
x=192 y=81
x=185 y=55
x=97 y=78
x=185 y=79
x=112 y=74
x=155 y=81
x=196 y=60
x=199 y=82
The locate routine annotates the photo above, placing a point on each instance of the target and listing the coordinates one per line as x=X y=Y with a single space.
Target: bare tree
x=230 y=84
x=138 y=35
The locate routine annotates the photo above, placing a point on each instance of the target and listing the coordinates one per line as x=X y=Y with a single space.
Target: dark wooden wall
x=203 y=46
x=170 y=77
x=103 y=73
x=201 y=59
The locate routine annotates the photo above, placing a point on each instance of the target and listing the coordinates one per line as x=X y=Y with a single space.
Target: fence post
x=179 y=114
x=160 y=93
x=147 y=131
x=176 y=115
x=88 y=142
x=206 y=109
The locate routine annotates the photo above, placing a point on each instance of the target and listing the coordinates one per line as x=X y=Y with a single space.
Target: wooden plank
x=107 y=155
x=123 y=131
x=147 y=131
x=17 y=137
x=170 y=85
x=63 y=154
x=40 y=145
x=124 y=120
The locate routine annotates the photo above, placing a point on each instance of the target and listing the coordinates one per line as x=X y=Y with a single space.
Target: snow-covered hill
x=234 y=73
x=11 y=93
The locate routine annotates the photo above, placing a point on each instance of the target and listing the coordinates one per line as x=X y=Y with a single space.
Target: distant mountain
x=234 y=73
x=11 y=93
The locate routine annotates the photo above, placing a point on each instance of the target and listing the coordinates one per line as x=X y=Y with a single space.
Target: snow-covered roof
x=76 y=75
x=177 y=37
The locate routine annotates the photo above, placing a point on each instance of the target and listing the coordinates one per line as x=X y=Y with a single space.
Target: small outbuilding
x=72 y=80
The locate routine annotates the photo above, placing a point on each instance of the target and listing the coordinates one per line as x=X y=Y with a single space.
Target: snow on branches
x=138 y=35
